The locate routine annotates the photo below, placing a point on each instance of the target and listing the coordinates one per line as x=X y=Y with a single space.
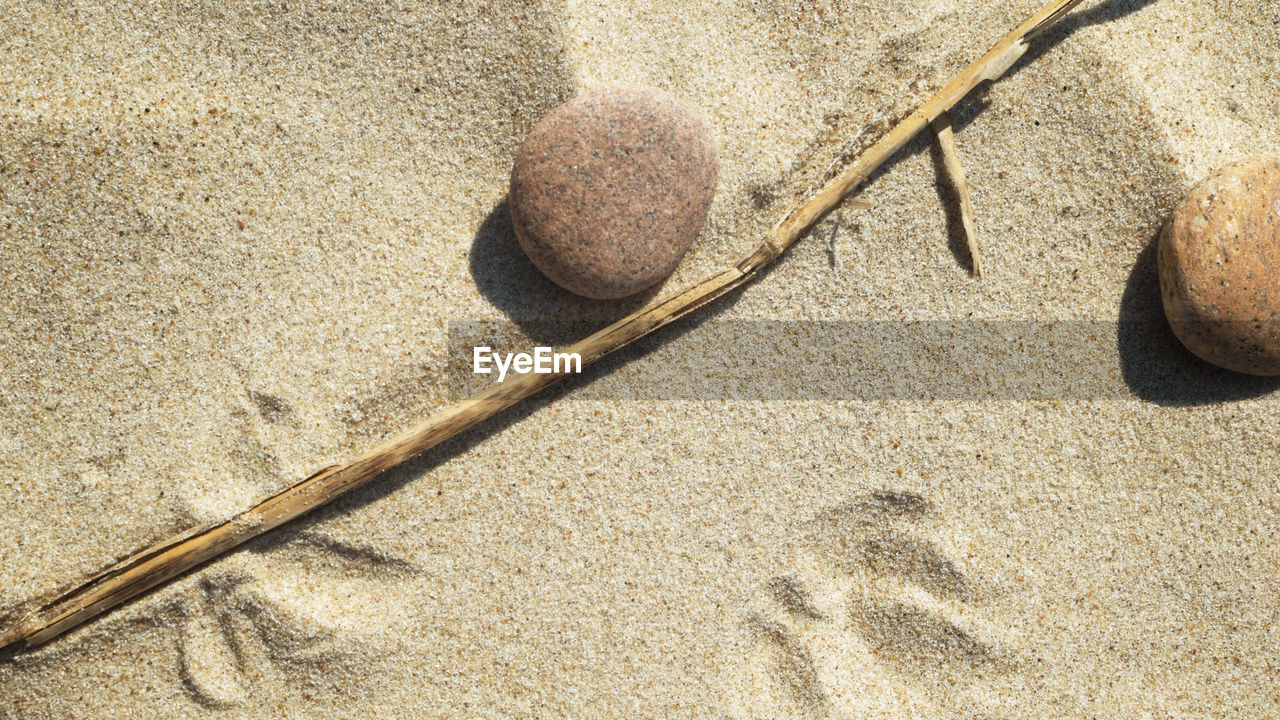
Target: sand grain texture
x=233 y=242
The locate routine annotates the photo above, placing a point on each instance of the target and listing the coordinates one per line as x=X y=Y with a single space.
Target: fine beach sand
x=241 y=242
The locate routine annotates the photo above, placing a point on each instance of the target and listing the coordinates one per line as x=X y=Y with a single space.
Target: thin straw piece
x=955 y=174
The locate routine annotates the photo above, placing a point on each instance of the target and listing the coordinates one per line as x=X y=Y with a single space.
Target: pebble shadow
x=544 y=312
x=1155 y=364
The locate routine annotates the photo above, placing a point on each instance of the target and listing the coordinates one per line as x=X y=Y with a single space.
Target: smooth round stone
x=609 y=190
x=1219 y=258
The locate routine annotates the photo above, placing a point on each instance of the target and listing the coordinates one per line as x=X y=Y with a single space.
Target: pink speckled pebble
x=609 y=190
x=1220 y=267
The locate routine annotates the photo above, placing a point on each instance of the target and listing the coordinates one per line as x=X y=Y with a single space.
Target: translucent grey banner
x=821 y=360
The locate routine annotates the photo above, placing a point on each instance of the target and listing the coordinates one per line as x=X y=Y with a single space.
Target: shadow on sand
x=1155 y=364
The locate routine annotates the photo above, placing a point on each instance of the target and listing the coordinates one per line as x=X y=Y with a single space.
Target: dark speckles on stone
x=609 y=190
x=1218 y=256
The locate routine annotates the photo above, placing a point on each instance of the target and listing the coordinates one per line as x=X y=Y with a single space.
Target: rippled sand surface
x=241 y=242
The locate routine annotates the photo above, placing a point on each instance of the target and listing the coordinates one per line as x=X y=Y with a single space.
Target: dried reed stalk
x=170 y=558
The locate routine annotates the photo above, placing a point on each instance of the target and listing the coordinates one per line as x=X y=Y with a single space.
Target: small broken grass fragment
x=955 y=175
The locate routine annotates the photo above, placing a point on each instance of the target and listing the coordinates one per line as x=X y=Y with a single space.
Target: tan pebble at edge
x=1219 y=256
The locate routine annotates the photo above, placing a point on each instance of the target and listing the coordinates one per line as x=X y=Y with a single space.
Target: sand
x=241 y=243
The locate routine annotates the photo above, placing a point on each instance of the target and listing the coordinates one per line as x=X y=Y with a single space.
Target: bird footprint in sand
x=323 y=604
x=875 y=618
